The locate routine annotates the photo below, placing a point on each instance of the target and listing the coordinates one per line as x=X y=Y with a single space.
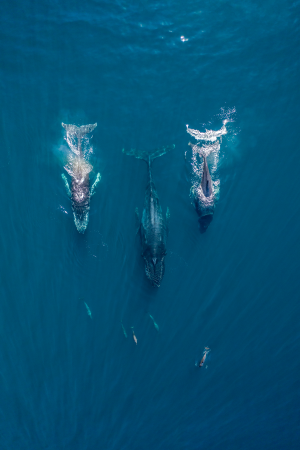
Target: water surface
x=143 y=71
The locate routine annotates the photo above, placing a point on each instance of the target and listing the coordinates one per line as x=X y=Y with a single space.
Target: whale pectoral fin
x=216 y=191
x=193 y=197
x=66 y=185
x=137 y=221
x=98 y=178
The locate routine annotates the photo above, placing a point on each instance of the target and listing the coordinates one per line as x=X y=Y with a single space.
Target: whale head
x=154 y=268
x=81 y=206
x=204 y=222
x=205 y=209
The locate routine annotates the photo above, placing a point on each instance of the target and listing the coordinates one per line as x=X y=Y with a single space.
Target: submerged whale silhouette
x=153 y=226
x=79 y=169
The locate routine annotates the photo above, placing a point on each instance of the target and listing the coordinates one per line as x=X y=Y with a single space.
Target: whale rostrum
x=153 y=226
x=79 y=169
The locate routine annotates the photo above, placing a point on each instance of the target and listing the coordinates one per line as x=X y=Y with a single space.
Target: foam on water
x=78 y=165
x=208 y=135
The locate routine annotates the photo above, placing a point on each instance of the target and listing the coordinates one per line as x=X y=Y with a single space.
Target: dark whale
x=206 y=193
x=203 y=195
x=79 y=169
x=153 y=226
x=205 y=211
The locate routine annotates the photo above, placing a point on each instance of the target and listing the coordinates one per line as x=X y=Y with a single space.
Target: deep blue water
x=142 y=71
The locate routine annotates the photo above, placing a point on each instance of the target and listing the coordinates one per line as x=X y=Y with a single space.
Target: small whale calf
x=79 y=169
x=153 y=226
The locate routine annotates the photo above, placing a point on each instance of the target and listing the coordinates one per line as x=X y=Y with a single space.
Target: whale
x=79 y=169
x=153 y=225
x=204 y=195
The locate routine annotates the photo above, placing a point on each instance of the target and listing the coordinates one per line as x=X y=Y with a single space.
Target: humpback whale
x=153 y=226
x=203 y=194
x=79 y=168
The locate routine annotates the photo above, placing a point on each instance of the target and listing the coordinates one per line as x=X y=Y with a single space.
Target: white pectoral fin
x=98 y=178
x=66 y=184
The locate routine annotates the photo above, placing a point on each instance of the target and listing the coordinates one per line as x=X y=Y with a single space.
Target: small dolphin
x=79 y=169
x=206 y=351
x=154 y=323
x=134 y=336
x=153 y=227
x=61 y=208
x=88 y=310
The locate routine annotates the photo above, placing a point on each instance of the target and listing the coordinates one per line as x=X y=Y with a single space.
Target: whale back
x=206 y=182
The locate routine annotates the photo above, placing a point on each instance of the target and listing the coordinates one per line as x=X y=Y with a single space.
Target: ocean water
x=143 y=71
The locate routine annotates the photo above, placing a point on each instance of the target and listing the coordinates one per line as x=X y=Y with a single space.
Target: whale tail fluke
x=148 y=156
x=79 y=131
x=208 y=135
